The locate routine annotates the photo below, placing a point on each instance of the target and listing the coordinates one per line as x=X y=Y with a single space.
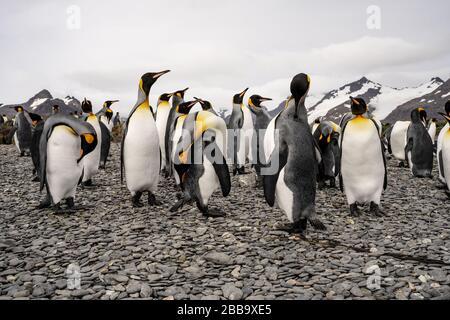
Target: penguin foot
x=354 y=210
x=87 y=184
x=441 y=186
x=136 y=200
x=46 y=203
x=321 y=185
x=152 y=201
x=179 y=195
x=102 y=167
x=401 y=164
x=35 y=179
x=375 y=210
x=214 y=213
x=58 y=210
x=333 y=183
x=294 y=228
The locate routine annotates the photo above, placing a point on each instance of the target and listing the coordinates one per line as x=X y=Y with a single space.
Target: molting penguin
x=262 y=120
x=290 y=175
x=200 y=160
x=64 y=143
x=326 y=136
x=444 y=153
x=241 y=125
x=140 y=152
x=22 y=132
x=162 y=115
x=92 y=161
x=177 y=99
x=439 y=143
x=37 y=127
x=419 y=147
x=363 y=174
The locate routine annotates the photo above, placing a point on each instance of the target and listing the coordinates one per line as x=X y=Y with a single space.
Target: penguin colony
x=290 y=156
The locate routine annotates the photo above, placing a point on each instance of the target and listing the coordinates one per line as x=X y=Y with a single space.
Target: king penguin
x=200 y=159
x=262 y=120
x=241 y=125
x=206 y=105
x=432 y=129
x=91 y=162
x=177 y=99
x=444 y=153
x=439 y=144
x=419 y=147
x=363 y=174
x=140 y=152
x=106 y=115
x=22 y=132
x=37 y=127
x=290 y=174
x=64 y=143
x=162 y=114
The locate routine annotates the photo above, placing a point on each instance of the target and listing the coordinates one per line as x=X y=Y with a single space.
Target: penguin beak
x=193 y=103
x=170 y=95
x=159 y=74
x=243 y=93
x=353 y=100
x=265 y=99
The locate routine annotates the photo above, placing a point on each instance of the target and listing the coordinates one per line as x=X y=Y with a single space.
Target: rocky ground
x=155 y=254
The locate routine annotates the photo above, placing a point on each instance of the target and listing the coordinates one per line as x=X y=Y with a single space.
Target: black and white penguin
x=177 y=99
x=315 y=124
x=241 y=125
x=105 y=144
x=432 y=129
x=419 y=147
x=444 y=153
x=91 y=162
x=206 y=105
x=200 y=160
x=106 y=114
x=262 y=120
x=363 y=174
x=64 y=143
x=327 y=135
x=140 y=152
x=162 y=115
x=439 y=143
x=290 y=174
x=37 y=124
x=116 y=120
x=22 y=132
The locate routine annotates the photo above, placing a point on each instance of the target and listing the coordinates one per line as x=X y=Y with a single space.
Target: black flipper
x=383 y=149
x=341 y=182
x=408 y=147
x=441 y=164
x=125 y=130
x=106 y=143
x=221 y=169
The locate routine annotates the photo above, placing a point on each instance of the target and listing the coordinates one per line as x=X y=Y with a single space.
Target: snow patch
x=36 y=103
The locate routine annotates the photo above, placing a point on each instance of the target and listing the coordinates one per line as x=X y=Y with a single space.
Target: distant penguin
x=439 y=143
x=5 y=118
x=22 y=132
x=105 y=144
x=64 y=143
x=262 y=120
x=432 y=129
x=106 y=115
x=444 y=153
x=419 y=147
x=241 y=125
x=315 y=124
x=162 y=115
x=92 y=161
x=140 y=152
x=326 y=136
x=363 y=174
x=290 y=175
x=116 y=120
x=37 y=127
x=177 y=99
x=200 y=160
x=55 y=109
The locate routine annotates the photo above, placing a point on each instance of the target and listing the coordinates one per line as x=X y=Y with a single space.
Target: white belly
x=246 y=136
x=176 y=137
x=269 y=139
x=16 y=141
x=362 y=165
x=446 y=156
x=439 y=147
x=284 y=196
x=161 y=123
x=92 y=160
x=398 y=139
x=432 y=131
x=141 y=152
x=208 y=182
x=63 y=171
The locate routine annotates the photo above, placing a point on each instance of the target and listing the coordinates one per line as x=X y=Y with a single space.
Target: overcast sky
x=217 y=48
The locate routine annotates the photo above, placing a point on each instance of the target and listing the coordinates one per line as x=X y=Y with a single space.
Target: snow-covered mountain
x=42 y=103
x=382 y=100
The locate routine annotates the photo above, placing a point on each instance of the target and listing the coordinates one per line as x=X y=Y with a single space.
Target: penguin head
x=300 y=86
x=86 y=106
x=180 y=93
x=18 y=109
x=185 y=107
x=358 y=106
x=254 y=102
x=206 y=105
x=55 y=109
x=35 y=118
x=317 y=121
x=148 y=79
x=326 y=132
x=434 y=120
x=88 y=143
x=419 y=114
x=107 y=104
x=447 y=108
x=239 y=97
x=165 y=97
